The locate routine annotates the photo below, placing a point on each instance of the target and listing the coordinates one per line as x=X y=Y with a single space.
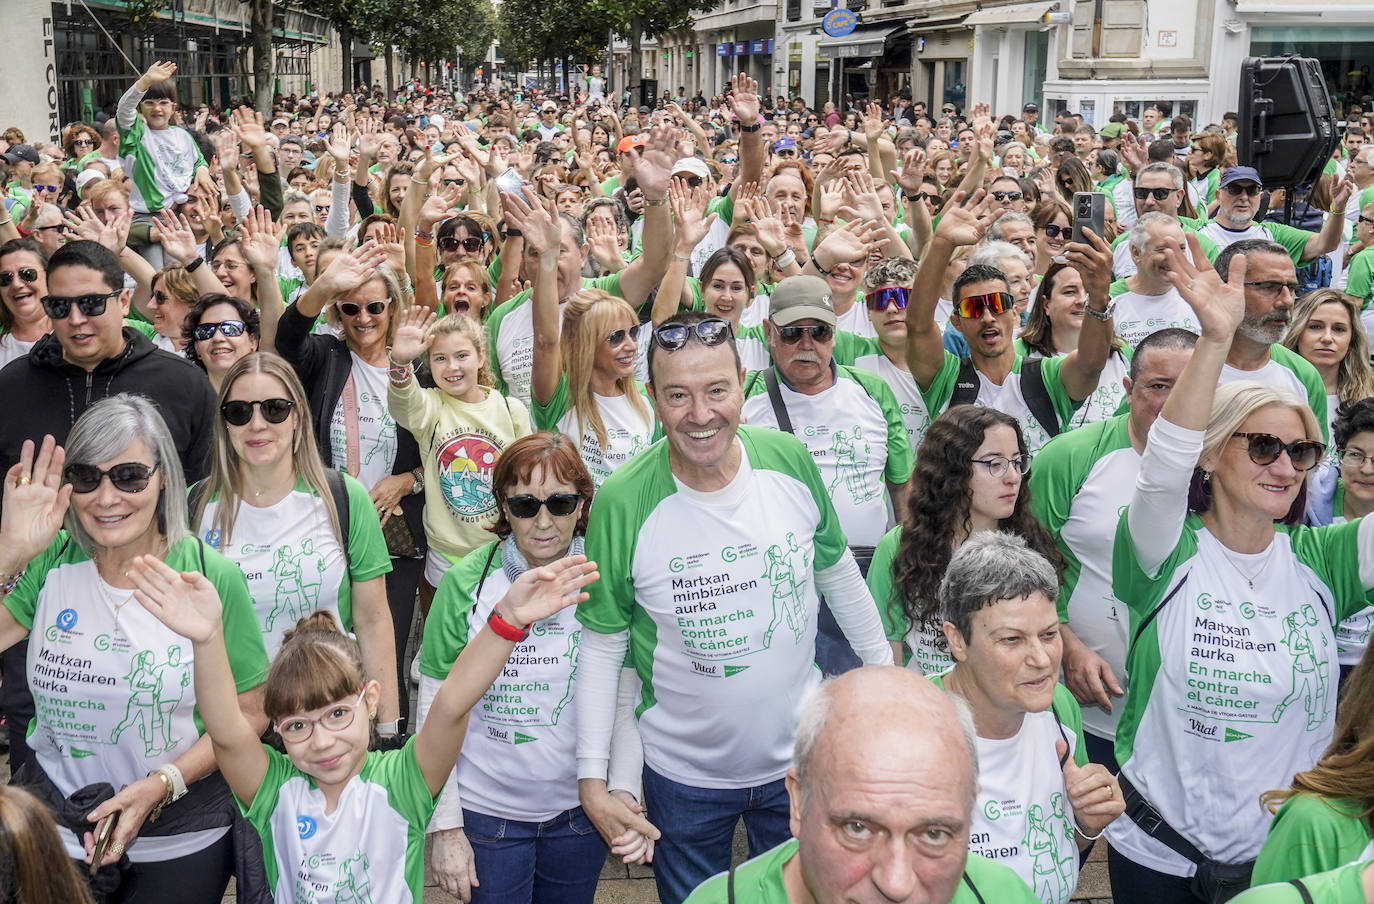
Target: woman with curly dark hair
x=969 y=477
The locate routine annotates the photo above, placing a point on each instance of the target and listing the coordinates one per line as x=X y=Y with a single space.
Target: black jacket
x=45 y=395
x=324 y=363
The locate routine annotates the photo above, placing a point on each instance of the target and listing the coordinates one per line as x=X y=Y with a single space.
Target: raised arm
x=345 y=273
x=260 y=242
x=1083 y=366
x=34 y=505
x=744 y=103
x=544 y=235
x=651 y=166
x=1329 y=237
x=689 y=213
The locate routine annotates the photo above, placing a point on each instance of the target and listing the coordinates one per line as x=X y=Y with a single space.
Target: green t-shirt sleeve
x=1064 y=406
x=612 y=537
x=941 y=388
x=136 y=322
x=494 y=270
x=610 y=283
x=694 y=286
x=1054 y=481
x=723 y=208
x=446 y=628
x=1067 y=710
x=368 y=557
x=22 y=601
x=398 y=771
x=1290 y=237
x=1333 y=552
x=546 y=417
x=1358 y=278
x=259 y=810
x=884 y=593
x=1310 y=834
x=1130 y=584
x=850 y=347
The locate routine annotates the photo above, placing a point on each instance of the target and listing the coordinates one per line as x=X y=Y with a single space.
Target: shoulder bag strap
x=1038 y=397
x=770 y=380
x=350 y=410
x=965 y=385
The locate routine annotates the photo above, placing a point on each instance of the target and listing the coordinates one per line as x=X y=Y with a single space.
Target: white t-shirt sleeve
x=1366 y=547
x=855 y=612
x=626 y=769
x=336 y=222
x=1160 y=503
x=448 y=809
x=600 y=657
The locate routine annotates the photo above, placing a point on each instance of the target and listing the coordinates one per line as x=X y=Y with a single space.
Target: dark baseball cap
x=22 y=152
x=1240 y=174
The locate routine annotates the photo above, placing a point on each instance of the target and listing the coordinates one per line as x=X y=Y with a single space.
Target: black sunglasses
x=239 y=413
x=1159 y=194
x=353 y=308
x=618 y=337
x=1249 y=188
x=129 y=477
x=1054 y=231
x=1264 y=449
x=5 y=282
x=451 y=243
x=30 y=274
x=1007 y=195
x=58 y=307
x=204 y=332
x=455 y=182
x=560 y=505
x=820 y=332
x=711 y=332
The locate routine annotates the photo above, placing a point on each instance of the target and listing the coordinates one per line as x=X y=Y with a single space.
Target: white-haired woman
x=1233 y=608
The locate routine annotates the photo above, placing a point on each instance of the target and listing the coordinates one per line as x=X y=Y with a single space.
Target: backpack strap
x=1302 y=890
x=965 y=385
x=486 y=570
x=973 y=888
x=1068 y=747
x=195 y=495
x=339 y=491
x=770 y=380
x=1037 y=396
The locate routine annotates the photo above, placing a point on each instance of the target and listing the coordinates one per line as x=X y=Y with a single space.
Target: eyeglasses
x=997 y=464
x=128 y=477
x=27 y=274
x=1264 y=449
x=57 y=307
x=1249 y=188
x=974 y=306
x=78 y=142
x=353 y=308
x=204 y=332
x=893 y=295
x=710 y=332
x=239 y=413
x=1159 y=194
x=451 y=243
x=1271 y=288
x=820 y=332
x=1355 y=458
x=1007 y=195
x=560 y=505
x=1054 y=231
x=298 y=728
x=618 y=337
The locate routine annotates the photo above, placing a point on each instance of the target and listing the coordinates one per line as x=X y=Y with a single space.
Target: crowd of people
x=730 y=459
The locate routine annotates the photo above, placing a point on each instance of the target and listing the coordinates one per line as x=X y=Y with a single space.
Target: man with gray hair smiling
x=881 y=790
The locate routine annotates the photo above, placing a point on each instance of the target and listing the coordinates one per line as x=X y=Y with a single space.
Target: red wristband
x=505 y=629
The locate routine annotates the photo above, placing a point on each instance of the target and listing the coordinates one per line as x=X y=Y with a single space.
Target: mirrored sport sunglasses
x=560 y=505
x=711 y=332
x=58 y=307
x=240 y=412
x=1265 y=448
x=353 y=308
x=128 y=477
x=893 y=295
x=27 y=274
x=974 y=306
x=204 y=332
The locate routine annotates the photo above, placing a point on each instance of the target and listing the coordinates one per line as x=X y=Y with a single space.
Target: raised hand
x=177 y=238
x=832 y=199
x=186 y=602
x=744 y=98
x=913 y=169
x=771 y=230
x=541 y=592
x=247 y=125
x=351 y=269
x=260 y=240
x=389 y=238
x=338 y=145
x=412 y=337
x=83 y=224
x=872 y=122
x=965 y=219
x=438 y=207
x=604 y=241
x=850 y=242
x=35 y=503
x=862 y=199
x=1093 y=261
x=369 y=139
x=1219 y=306
x=226 y=150
x=542 y=230
x=689 y=213
x=1094 y=793
x=159 y=72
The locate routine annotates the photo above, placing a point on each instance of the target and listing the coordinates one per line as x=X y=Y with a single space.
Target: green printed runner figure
x=173 y=677
x=298 y=586
x=386 y=441
x=354 y=886
x=1042 y=843
x=142 y=706
x=786 y=571
x=851 y=465
x=1309 y=666
x=571 y=656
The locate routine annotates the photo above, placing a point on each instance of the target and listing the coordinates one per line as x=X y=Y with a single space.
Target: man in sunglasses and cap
x=849 y=421
x=1238 y=194
x=713 y=547
x=90 y=355
x=1041 y=393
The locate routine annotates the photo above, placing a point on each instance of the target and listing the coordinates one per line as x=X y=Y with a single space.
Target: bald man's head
x=883 y=754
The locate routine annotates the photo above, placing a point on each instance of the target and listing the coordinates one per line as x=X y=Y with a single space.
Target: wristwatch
x=417 y=478
x=1104 y=315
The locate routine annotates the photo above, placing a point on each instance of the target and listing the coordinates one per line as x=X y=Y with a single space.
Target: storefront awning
x=1016 y=14
x=864 y=41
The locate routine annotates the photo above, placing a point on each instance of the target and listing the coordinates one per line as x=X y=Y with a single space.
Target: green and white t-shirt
x=759 y=881
x=1352 y=634
x=370 y=849
x=519 y=757
x=1343 y=885
x=510 y=337
x=377 y=442
x=112 y=689
x=292 y=560
x=1288 y=370
x=1022 y=817
x=160 y=163
x=717 y=591
x=1006 y=398
x=1290 y=237
x=628 y=432
x=1312 y=834
x=1233 y=687
x=1138 y=316
x=926 y=649
x=1080 y=482
x=903 y=385
x=855 y=434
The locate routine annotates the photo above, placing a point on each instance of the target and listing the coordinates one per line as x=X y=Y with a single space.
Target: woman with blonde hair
x=1326 y=330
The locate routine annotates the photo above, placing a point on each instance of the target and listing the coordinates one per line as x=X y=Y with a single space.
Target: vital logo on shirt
x=466 y=462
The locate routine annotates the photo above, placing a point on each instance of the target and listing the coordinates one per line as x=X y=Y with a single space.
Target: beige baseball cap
x=801 y=298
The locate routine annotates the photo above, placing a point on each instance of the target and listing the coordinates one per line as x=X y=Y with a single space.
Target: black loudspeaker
x=648 y=92
x=1286 y=129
